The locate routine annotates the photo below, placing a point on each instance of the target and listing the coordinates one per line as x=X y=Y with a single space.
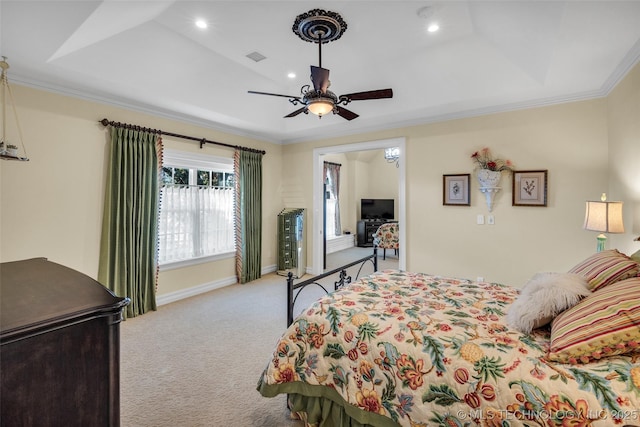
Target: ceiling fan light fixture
x=320 y=106
x=321 y=26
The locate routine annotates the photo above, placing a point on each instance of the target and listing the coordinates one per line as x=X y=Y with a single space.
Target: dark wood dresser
x=59 y=347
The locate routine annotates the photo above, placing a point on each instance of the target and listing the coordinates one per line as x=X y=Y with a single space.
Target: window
x=331 y=203
x=196 y=207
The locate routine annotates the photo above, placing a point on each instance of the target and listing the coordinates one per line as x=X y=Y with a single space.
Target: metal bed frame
x=294 y=289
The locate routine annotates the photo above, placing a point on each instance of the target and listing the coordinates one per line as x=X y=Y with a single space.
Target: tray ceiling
x=487 y=56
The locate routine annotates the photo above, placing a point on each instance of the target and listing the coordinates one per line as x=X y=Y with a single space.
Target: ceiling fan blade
x=295 y=113
x=347 y=114
x=320 y=78
x=371 y=94
x=273 y=94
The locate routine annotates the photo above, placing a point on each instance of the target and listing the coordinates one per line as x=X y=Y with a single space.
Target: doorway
x=318 y=199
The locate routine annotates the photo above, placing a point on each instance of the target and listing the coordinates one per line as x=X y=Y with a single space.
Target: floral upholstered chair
x=387 y=238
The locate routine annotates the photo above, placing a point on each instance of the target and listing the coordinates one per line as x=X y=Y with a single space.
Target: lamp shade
x=605 y=217
x=320 y=106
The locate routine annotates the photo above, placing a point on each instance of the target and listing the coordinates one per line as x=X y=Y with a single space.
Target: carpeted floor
x=196 y=362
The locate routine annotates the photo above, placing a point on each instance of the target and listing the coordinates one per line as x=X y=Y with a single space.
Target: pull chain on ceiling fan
x=320 y=26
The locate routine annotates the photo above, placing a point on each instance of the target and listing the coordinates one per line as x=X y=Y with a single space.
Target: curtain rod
x=331 y=163
x=202 y=141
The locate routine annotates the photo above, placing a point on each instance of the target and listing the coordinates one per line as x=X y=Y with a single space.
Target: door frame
x=317 y=227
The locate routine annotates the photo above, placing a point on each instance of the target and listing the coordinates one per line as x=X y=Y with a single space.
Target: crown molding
x=141 y=108
x=631 y=60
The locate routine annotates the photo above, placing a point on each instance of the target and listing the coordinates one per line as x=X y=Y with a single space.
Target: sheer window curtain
x=248 y=170
x=208 y=210
x=332 y=171
x=128 y=248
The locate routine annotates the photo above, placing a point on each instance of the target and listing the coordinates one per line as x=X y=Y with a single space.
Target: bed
x=413 y=349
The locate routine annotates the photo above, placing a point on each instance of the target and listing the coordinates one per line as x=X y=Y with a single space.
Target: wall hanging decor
x=8 y=151
x=489 y=172
x=455 y=190
x=529 y=188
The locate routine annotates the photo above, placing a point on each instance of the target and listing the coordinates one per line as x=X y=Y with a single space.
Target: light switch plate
x=491 y=220
x=480 y=219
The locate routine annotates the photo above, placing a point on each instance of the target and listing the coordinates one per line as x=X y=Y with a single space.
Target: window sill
x=195 y=261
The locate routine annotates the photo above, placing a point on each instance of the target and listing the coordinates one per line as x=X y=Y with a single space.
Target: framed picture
x=529 y=188
x=455 y=191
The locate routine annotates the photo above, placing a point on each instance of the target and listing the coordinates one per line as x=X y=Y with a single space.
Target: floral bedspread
x=422 y=350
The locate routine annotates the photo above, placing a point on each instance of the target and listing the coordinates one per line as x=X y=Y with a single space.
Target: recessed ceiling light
x=201 y=23
x=432 y=28
x=291 y=75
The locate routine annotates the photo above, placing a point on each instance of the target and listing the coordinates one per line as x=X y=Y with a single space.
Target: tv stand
x=365 y=230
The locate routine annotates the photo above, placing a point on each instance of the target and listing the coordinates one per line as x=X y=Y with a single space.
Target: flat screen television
x=376 y=209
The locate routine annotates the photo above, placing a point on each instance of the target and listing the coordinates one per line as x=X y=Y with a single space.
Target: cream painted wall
x=362 y=189
x=349 y=184
x=383 y=180
x=568 y=140
x=624 y=157
x=52 y=205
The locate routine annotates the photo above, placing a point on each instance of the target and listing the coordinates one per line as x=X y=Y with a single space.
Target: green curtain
x=128 y=249
x=248 y=171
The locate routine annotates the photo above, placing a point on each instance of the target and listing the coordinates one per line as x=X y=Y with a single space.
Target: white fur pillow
x=545 y=296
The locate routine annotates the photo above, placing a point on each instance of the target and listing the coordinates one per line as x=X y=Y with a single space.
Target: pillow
x=606 y=323
x=543 y=297
x=604 y=268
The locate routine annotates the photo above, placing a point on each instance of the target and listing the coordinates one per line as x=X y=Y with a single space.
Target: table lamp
x=605 y=217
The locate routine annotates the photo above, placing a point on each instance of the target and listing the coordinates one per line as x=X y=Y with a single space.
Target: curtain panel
x=128 y=249
x=332 y=171
x=248 y=170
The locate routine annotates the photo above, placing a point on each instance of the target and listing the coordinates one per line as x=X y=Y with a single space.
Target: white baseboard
x=340 y=243
x=269 y=269
x=194 y=290
x=201 y=289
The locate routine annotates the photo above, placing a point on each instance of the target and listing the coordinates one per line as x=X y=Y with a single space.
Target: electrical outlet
x=491 y=220
x=480 y=219
x=479 y=279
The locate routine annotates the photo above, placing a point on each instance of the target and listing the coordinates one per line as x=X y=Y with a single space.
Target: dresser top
x=37 y=293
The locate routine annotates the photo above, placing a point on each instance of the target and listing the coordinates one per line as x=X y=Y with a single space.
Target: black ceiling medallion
x=319 y=26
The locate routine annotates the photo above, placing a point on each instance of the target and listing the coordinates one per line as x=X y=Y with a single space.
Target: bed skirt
x=323 y=407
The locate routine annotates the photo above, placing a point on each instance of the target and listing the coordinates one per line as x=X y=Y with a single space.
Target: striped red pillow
x=604 y=268
x=606 y=323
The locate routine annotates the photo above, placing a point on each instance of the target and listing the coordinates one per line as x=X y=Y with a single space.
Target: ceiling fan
x=320 y=26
